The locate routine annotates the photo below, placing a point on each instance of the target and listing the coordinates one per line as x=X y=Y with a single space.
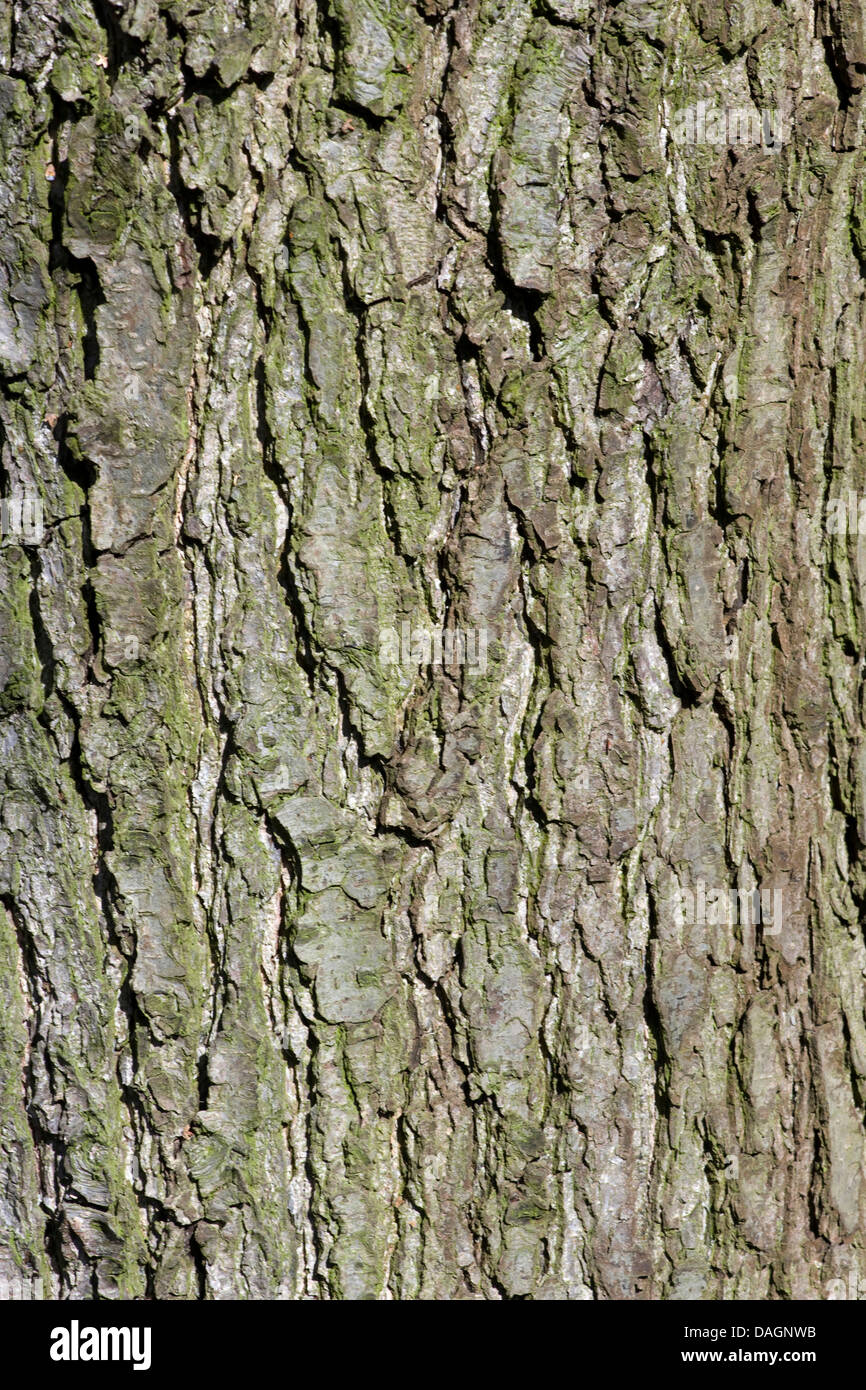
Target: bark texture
x=327 y=976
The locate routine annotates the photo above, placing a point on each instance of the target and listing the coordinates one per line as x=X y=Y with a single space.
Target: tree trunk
x=433 y=783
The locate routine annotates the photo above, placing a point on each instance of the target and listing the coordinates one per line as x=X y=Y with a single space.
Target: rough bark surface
x=328 y=977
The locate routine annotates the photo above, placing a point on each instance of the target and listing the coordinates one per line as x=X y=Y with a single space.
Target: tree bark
x=442 y=602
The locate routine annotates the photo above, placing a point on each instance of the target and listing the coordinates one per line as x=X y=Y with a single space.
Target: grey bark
x=328 y=973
